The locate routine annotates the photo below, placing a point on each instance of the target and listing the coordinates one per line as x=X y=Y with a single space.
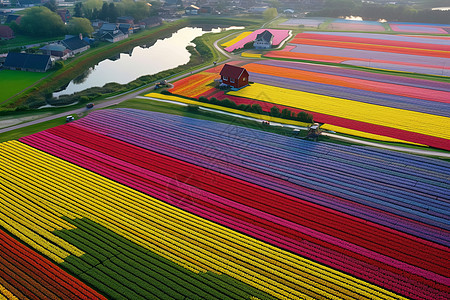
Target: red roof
x=6 y=31
x=231 y=71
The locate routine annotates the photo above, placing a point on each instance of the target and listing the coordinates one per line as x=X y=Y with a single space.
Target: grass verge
x=18 y=133
x=13 y=82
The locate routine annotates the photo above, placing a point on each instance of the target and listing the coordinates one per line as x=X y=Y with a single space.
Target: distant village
x=44 y=56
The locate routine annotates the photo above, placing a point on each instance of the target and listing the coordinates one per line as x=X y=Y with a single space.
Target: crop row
x=194 y=85
x=429 y=125
x=371 y=47
x=184 y=177
x=354 y=83
x=183 y=146
x=423 y=44
x=344 y=72
x=180 y=236
x=147 y=128
x=377 y=98
x=241 y=192
x=35 y=276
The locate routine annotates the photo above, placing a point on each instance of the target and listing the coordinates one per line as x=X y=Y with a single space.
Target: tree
x=104 y=13
x=80 y=25
x=78 y=10
x=274 y=3
x=275 y=111
x=40 y=21
x=270 y=13
x=113 y=13
x=51 y=5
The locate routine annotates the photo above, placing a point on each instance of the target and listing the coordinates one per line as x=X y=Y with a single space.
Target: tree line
x=373 y=11
x=43 y=21
x=39 y=21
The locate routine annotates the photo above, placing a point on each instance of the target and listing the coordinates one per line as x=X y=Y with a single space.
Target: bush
x=228 y=103
x=244 y=107
x=203 y=99
x=249 y=45
x=256 y=108
x=84 y=99
x=286 y=113
x=21 y=108
x=166 y=92
x=215 y=101
x=192 y=108
x=36 y=101
x=275 y=111
x=305 y=117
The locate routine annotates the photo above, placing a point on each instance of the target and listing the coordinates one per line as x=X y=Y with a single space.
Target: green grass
x=21 y=132
x=22 y=40
x=12 y=82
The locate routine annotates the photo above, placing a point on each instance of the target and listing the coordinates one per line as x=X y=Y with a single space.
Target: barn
x=234 y=76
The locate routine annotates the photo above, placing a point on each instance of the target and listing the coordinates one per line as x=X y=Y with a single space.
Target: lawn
x=22 y=40
x=12 y=82
x=21 y=132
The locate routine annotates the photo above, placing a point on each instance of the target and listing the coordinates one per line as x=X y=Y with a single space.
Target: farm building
x=27 y=62
x=263 y=40
x=55 y=49
x=75 y=44
x=192 y=10
x=234 y=76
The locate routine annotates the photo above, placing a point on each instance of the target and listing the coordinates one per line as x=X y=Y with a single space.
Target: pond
x=164 y=54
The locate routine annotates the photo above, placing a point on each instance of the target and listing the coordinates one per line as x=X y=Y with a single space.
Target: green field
x=12 y=82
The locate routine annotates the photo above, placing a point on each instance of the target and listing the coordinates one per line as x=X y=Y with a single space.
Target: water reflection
x=141 y=60
x=82 y=78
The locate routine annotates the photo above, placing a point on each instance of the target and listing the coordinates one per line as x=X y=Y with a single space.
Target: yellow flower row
x=230 y=110
x=252 y=55
x=6 y=294
x=175 y=234
x=236 y=39
x=365 y=134
x=432 y=125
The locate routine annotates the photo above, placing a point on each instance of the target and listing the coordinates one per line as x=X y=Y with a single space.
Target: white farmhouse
x=263 y=40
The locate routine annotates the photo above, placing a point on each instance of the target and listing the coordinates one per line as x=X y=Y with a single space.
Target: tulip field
x=135 y=204
x=415 y=54
x=420 y=27
x=370 y=105
x=279 y=35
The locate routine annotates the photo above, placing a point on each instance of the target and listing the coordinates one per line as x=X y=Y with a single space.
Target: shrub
x=84 y=99
x=286 y=113
x=244 y=107
x=192 y=108
x=203 y=99
x=305 y=117
x=215 y=101
x=36 y=101
x=58 y=65
x=275 y=111
x=256 y=108
x=21 y=108
x=228 y=103
x=165 y=92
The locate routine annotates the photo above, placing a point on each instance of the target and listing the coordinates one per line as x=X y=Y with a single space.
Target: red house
x=234 y=76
